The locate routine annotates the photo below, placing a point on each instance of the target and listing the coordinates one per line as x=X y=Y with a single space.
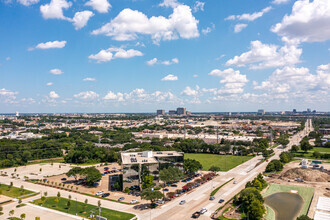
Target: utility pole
x=217 y=134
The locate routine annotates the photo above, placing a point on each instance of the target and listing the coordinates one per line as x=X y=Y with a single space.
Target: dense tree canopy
x=191 y=165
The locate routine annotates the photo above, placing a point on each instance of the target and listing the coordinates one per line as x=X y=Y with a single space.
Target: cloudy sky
x=143 y=55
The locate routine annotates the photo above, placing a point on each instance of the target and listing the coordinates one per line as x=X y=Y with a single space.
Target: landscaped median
x=217 y=189
x=305 y=192
x=81 y=209
x=14 y=192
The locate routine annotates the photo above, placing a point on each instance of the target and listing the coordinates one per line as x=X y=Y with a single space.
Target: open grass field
x=13 y=191
x=81 y=209
x=225 y=162
x=305 y=192
x=321 y=149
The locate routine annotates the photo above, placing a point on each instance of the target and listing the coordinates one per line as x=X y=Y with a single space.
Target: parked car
x=212 y=198
x=63 y=179
x=182 y=202
x=327 y=188
x=99 y=193
x=121 y=198
x=134 y=201
x=196 y=215
x=221 y=201
x=203 y=210
x=235 y=182
x=174 y=185
x=105 y=194
x=160 y=201
x=165 y=190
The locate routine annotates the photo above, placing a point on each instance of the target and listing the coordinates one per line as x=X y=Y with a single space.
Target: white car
x=99 y=193
x=182 y=202
x=203 y=210
x=134 y=201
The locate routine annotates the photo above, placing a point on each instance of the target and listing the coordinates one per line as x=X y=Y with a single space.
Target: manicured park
x=12 y=191
x=305 y=192
x=82 y=209
x=225 y=162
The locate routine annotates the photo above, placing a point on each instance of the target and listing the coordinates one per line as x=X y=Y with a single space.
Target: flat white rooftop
x=147 y=157
x=321 y=215
x=323 y=204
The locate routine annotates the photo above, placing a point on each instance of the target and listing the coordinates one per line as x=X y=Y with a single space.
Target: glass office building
x=140 y=164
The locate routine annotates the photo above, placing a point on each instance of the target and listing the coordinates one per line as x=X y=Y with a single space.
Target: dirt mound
x=311 y=175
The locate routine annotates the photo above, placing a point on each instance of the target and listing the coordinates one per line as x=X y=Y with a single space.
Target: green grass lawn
x=13 y=191
x=308 y=155
x=305 y=192
x=79 y=207
x=270 y=213
x=208 y=160
x=50 y=160
x=321 y=149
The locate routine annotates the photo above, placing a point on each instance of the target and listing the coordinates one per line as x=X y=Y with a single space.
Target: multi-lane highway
x=199 y=198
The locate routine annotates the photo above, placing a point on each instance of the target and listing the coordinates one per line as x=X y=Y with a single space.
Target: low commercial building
x=136 y=165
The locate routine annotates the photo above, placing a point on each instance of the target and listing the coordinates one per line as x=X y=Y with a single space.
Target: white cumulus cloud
x=81 y=18
x=164 y=62
x=88 y=95
x=170 y=77
x=28 y=2
x=128 y=24
x=51 y=45
x=56 y=71
x=308 y=21
x=53 y=95
x=114 y=53
x=278 y=2
x=54 y=10
x=49 y=84
x=188 y=91
x=102 y=6
x=239 y=27
x=267 y=56
x=232 y=79
x=199 y=6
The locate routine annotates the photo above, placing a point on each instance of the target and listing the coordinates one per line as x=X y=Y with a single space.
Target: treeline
x=78 y=144
x=199 y=146
x=250 y=201
x=88 y=153
x=16 y=152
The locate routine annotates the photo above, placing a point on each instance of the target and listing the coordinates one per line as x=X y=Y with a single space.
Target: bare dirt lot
x=312 y=178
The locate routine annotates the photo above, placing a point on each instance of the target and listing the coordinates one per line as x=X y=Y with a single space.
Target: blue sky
x=143 y=55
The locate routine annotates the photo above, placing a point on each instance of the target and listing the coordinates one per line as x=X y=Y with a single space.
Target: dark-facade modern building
x=138 y=164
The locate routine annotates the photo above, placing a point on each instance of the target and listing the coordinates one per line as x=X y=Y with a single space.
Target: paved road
x=196 y=199
x=199 y=198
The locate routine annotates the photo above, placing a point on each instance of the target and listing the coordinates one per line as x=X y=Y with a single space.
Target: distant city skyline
x=113 y=56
